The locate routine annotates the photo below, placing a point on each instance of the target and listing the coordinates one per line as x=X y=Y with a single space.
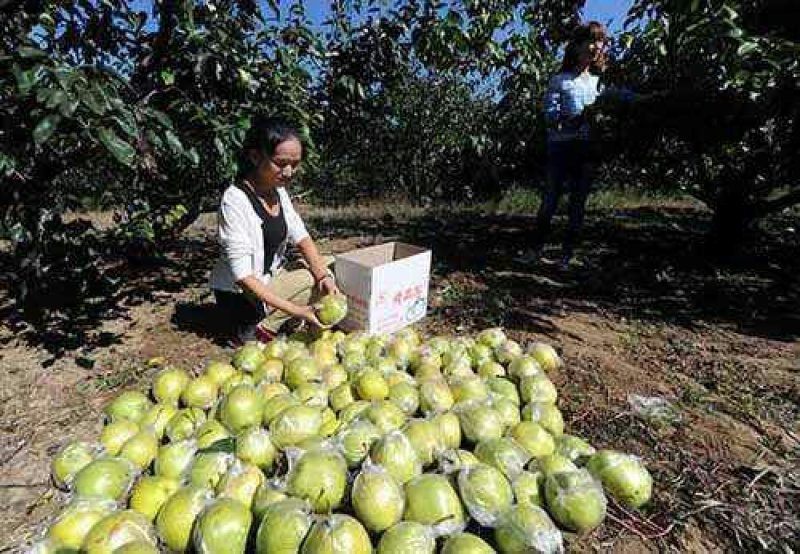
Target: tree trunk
x=733 y=221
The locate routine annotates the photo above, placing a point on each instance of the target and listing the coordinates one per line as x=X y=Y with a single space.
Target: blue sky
x=605 y=11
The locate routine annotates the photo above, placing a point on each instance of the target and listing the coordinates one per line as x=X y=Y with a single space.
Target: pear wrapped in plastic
x=435 y=396
x=504 y=454
x=546 y=415
x=208 y=468
x=492 y=338
x=431 y=500
x=302 y=370
x=397 y=455
x=538 y=389
x=424 y=437
x=130 y=405
x=174 y=459
x=449 y=429
x=528 y=488
x=219 y=371
x=106 y=478
x=283 y=527
x=405 y=396
x=575 y=500
x=377 y=498
x=157 y=418
x=168 y=385
x=546 y=355
x=222 y=528
x=76 y=520
x=370 y=384
x=177 y=517
x=184 y=424
x=116 y=530
x=355 y=441
x=337 y=533
x=454 y=460
x=486 y=493
x=466 y=543
x=331 y=309
x=211 y=432
x=138 y=547
x=573 y=448
x=523 y=367
x=248 y=357
x=623 y=476
x=527 y=528
x=320 y=477
x=72 y=458
x=201 y=392
x=266 y=495
x=479 y=422
x=116 y=433
x=294 y=425
x=533 y=438
x=150 y=493
x=254 y=446
x=386 y=416
x=241 y=408
x=407 y=537
x=141 y=449
x=241 y=482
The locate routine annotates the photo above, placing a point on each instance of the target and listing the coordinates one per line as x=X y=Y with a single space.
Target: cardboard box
x=386 y=286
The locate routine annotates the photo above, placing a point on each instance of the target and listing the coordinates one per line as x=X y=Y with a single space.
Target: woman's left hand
x=327 y=285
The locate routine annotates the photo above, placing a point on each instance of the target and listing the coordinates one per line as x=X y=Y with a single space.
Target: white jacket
x=239 y=234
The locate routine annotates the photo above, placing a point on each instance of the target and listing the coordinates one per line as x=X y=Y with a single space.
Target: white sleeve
x=295 y=227
x=238 y=247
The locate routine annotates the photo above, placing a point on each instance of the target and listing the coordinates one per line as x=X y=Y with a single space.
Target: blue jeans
x=569 y=168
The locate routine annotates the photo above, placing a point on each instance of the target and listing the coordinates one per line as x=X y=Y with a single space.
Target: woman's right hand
x=307 y=314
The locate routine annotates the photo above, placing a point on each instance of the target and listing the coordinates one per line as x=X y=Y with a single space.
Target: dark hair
x=264 y=135
x=592 y=31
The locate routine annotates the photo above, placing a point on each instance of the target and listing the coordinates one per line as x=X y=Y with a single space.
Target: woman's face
x=592 y=51
x=278 y=169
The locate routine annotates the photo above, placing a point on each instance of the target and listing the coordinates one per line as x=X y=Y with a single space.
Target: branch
x=777 y=204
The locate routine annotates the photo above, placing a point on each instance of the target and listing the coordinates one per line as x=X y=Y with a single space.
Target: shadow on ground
x=645 y=263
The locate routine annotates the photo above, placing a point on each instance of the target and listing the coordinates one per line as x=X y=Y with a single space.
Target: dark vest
x=273 y=228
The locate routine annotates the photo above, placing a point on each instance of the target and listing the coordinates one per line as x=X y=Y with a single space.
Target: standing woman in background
x=256 y=221
x=569 y=163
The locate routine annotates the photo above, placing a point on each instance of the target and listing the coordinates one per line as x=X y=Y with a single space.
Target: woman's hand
x=327 y=285
x=307 y=314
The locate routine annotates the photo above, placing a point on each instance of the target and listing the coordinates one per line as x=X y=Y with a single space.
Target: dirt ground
x=648 y=314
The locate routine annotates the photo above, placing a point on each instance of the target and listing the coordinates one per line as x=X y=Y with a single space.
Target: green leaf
x=174 y=142
x=121 y=150
x=45 y=129
x=168 y=77
x=193 y=156
x=227 y=445
x=28 y=52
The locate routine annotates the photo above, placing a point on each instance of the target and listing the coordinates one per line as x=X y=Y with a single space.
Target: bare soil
x=650 y=313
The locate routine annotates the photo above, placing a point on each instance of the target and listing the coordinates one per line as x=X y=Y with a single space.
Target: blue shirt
x=567 y=95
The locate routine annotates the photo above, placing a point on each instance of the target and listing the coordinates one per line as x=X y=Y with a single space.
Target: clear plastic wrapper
x=174 y=459
x=284 y=527
x=536 y=441
x=385 y=415
x=408 y=537
x=395 y=452
x=538 y=389
x=248 y=357
x=177 y=516
x=528 y=488
x=377 y=498
x=184 y=424
x=435 y=396
x=454 y=460
x=150 y=492
x=623 y=476
x=431 y=500
x=70 y=460
x=116 y=433
x=168 y=385
x=504 y=454
x=118 y=529
x=574 y=448
x=254 y=446
x=575 y=500
x=405 y=396
x=425 y=438
x=107 y=477
x=479 y=422
x=320 y=477
x=201 y=392
x=208 y=468
x=466 y=543
x=355 y=440
x=242 y=407
x=130 y=405
x=337 y=533
x=527 y=528
x=295 y=424
x=70 y=528
x=486 y=493
x=222 y=528
x=469 y=388
x=449 y=429
x=240 y=482
x=545 y=414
